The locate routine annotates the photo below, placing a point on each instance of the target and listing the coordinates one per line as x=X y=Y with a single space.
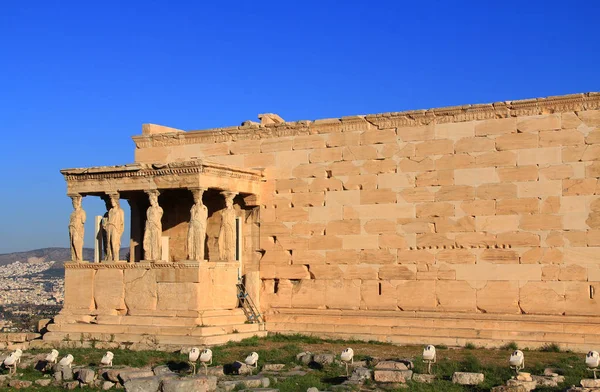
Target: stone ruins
x=475 y=223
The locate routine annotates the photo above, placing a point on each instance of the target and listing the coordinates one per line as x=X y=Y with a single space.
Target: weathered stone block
x=527 y=205
x=520 y=173
x=542 y=298
x=455 y=193
x=516 y=141
x=496 y=126
x=496 y=191
x=475 y=177
x=455 y=296
x=499 y=297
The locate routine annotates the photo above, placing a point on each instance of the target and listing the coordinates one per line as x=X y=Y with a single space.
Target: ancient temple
x=477 y=223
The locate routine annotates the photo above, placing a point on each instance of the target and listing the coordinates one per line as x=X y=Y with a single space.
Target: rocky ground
x=299 y=363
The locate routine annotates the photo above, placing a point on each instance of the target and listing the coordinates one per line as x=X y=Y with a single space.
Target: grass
x=283 y=349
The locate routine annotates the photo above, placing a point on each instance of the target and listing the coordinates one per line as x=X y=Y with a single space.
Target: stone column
x=196 y=236
x=76 y=229
x=114 y=226
x=136 y=230
x=98 y=239
x=227 y=234
x=153 y=230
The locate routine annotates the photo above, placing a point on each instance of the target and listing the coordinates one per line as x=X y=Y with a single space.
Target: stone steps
x=453 y=329
x=163 y=340
x=153 y=329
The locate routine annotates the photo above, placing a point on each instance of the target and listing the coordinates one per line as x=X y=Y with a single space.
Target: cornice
x=453 y=114
x=149 y=265
x=192 y=167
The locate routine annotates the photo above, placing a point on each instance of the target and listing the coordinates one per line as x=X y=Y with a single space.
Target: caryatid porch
x=196 y=210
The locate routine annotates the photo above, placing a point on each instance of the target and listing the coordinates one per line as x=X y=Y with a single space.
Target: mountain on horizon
x=60 y=255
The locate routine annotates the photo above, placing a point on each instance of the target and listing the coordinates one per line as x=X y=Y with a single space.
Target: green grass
x=283 y=349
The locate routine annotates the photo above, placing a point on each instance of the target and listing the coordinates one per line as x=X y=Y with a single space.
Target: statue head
x=153 y=196
x=114 y=200
x=76 y=200
x=197 y=193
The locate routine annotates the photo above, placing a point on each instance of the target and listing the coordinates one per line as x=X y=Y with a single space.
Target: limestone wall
x=476 y=209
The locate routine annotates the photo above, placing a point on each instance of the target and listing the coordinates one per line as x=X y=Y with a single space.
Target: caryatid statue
x=197 y=227
x=76 y=222
x=153 y=232
x=227 y=236
x=115 y=224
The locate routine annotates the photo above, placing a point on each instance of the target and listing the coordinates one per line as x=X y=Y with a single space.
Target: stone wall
x=473 y=209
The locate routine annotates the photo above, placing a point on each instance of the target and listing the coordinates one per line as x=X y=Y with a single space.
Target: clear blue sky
x=78 y=78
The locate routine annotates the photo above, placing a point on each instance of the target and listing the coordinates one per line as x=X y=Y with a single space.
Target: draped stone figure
x=153 y=231
x=197 y=227
x=104 y=248
x=115 y=224
x=76 y=229
x=227 y=238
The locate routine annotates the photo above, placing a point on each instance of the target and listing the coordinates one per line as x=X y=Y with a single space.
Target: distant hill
x=60 y=255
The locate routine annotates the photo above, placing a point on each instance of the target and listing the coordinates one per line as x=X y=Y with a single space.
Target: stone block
x=325 y=242
x=325 y=214
x=496 y=126
x=177 y=296
x=243 y=147
x=343 y=198
x=499 y=297
x=276 y=144
x=564 y=137
x=434 y=178
x=295 y=185
x=541 y=222
x=416 y=133
x=455 y=130
x=296 y=214
x=542 y=298
x=526 y=205
x=475 y=177
x=377 y=196
x=259 y=160
x=382 y=136
x=417 y=164
x=397 y=272
x=434 y=147
x=497 y=159
x=396 y=376
x=308 y=199
x=434 y=209
x=445 y=225
x=347 y=168
x=359 y=153
x=455 y=296
x=309 y=142
x=464 y=378
x=325 y=184
x=271 y=271
x=454 y=161
x=391 y=241
x=474 y=144
x=415 y=256
x=539 y=123
x=518 y=239
x=478 y=207
x=343 y=227
x=378 y=166
x=359 y=182
x=573 y=272
x=143 y=384
x=456 y=256
x=434 y=241
x=343 y=139
x=395 y=181
x=582 y=255
x=515 y=141
x=455 y=193
x=342 y=294
x=496 y=191
x=310 y=170
x=79 y=289
x=195 y=383
x=539 y=188
x=417 y=195
x=539 y=156
x=361 y=241
x=377 y=256
x=577 y=187
x=323 y=155
x=497 y=223
x=520 y=173
x=590 y=383
x=379 y=226
x=557 y=172
x=500 y=256
x=379 y=211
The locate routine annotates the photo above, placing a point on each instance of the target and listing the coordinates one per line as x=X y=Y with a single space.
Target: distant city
x=30 y=289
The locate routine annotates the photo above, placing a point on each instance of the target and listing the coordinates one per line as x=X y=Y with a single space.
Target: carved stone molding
x=525 y=107
x=159 y=265
x=171 y=169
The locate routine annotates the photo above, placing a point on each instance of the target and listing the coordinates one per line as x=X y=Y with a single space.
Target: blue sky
x=77 y=79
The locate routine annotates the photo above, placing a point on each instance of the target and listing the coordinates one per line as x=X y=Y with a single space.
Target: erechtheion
x=476 y=223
